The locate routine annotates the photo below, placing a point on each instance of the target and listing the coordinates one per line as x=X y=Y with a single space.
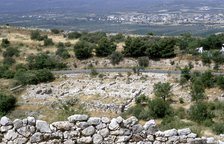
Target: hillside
x=192 y=98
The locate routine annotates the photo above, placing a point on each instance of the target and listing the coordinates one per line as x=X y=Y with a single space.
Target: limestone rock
x=113 y=124
x=84 y=140
x=97 y=139
x=17 y=123
x=6 y=128
x=31 y=120
x=170 y=133
x=11 y=135
x=5 y=121
x=37 y=137
x=149 y=124
x=88 y=131
x=184 y=131
x=104 y=132
x=105 y=120
x=121 y=139
x=82 y=125
x=94 y=121
x=43 y=126
x=130 y=121
x=62 y=125
x=76 y=118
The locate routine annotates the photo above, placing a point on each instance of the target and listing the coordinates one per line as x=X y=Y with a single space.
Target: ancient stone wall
x=83 y=129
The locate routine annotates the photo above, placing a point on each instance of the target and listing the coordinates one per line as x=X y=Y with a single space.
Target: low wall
x=83 y=129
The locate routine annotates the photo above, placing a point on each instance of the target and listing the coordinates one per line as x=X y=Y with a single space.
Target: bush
x=105 y=48
x=171 y=122
x=185 y=74
x=42 y=61
x=48 y=42
x=5 y=43
x=143 y=61
x=33 y=76
x=141 y=99
x=55 y=31
x=116 y=57
x=159 y=108
x=93 y=37
x=208 y=79
x=6 y=73
x=220 y=81
x=7 y=103
x=197 y=90
x=83 y=50
x=10 y=52
x=218 y=128
x=199 y=112
x=135 y=47
x=206 y=58
x=74 y=35
x=62 y=52
x=35 y=35
x=9 y=61
x=164 y=48
x=162 y=90
x=118 y=38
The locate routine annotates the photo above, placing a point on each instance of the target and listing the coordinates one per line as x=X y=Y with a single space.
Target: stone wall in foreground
x=83 y=129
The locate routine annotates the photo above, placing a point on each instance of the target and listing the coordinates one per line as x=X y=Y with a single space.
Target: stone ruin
x=82 y=129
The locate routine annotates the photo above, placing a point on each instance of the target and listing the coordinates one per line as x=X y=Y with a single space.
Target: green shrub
x=55 y=31
x=181 y=113
x=74 y=35
x=143 y=61
x=35 y=35
x=159 y=108
x=10 y=52
x=171 y=122
x=62 y=52
x=93 y=37
x=197 y=90
x=208 y=79
x=6 y=73
x=118 y=38
x=163 y=48
x=33 y=76
x=48 y=42
x=7 y=103
x=5 y=43
x=162 y=90
x=218 y=128
x=206 y=58
x=116 y=57
x=9 y=61
x=141 y=99
x=83 y=50
x=135 y=47
x=220 y=81
x=105 y=48
x=200 y=112
x=42 y=61
x=60 y=45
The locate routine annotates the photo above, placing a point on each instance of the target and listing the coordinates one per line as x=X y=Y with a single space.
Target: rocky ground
x=106 y=92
